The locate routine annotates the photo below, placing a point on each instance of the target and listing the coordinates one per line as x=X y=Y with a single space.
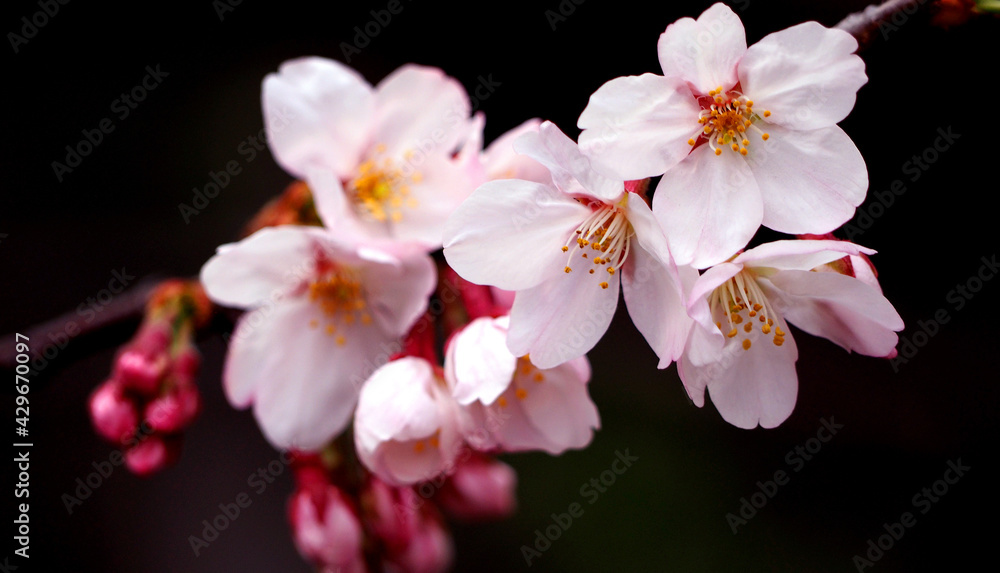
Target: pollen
x=605 y=230
x=737 y=301
x=538 y=377
x=521 y=393
x=746 y=344
x=380 y=187
x=567 y=270
x=338 y=294
x=604 y=285
x=727 y=118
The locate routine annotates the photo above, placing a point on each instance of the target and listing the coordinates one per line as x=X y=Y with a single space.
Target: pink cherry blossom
x=566 y=247
x=479 y=489
x=744 y=136
x=741 y=348
x=512 y=404
x=379 y=160
x=324 y=313
x=406 y=429
x=326 y=529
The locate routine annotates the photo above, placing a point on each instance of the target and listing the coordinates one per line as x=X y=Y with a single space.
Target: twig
x=863 y=24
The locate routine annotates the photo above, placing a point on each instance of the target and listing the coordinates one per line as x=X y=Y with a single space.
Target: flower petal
x=317 y=112
x=559 y=408
x=807 y=76
x=709 y=207
x=508 y=233
x=837 y=307
x=801 y=255
x=563 y=317
x=652 y=287
x=748 y=387
x=706 y=51
x=421 y=108
x=305 y=383
x=810 y=181
x=397 y=291
x=478 y=363
x=262 y=267
x=639 y=126
x=502 y=162
x=570 y=168
x=442 y=186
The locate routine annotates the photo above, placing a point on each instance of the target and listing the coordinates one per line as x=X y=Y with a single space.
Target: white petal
x=807 y=76
x=706 y=51
x=306 y=383
x=502 y=162
x=652 y=287
x=443 y=185
x=317 y=112
x=563 y=317
x=639 y=126
x=395 y=403
x=509 y=233
x=397 y=291
x=570 y=168
x=749 y=387
x=837 y=307
x=810 y=181
x=262 y=267
x=559 y=408
x=709 y=207
x=478 y=362
x=801 y=255
x=420 y=108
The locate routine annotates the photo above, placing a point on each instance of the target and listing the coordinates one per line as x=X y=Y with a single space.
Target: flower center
x=339 y=295
x=525 y=376
x=741 y=301
x=728 y=121
x=608 y=234
x=382 y=189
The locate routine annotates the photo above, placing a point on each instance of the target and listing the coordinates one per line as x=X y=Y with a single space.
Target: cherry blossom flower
x=743 y=136
x=565 y=248
x=512 y=404
x=322 y=311
x=479 y=489
x=741 y=348
x=379 y=160
x=326 y=529
x=406 y=428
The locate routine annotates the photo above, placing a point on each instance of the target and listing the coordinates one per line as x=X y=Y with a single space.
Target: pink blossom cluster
x=442 y=312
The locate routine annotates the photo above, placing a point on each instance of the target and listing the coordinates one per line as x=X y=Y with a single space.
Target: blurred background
x=62 y=241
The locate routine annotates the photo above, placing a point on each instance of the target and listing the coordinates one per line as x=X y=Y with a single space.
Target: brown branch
x=863 y=24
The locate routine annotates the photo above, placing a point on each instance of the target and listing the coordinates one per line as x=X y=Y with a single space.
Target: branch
x=863 y=24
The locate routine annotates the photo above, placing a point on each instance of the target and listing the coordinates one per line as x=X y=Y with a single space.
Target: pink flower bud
x=175 y=410
x=139 y=372
x=391 y=513
x=326 y=530
x=152 y=454
x=114 y=416
x=481 y=489
x=429 y=551
x=187 y=364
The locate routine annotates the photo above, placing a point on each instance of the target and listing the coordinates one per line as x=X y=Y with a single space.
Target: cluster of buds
x=346 y=519
x=151 y=396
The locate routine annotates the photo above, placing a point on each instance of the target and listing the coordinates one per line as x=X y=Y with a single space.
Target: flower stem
x=863 y=24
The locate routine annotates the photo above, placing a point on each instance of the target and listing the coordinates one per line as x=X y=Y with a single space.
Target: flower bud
x=114 y=416
x=480 y=489
x=152 y=454
x=326 y=529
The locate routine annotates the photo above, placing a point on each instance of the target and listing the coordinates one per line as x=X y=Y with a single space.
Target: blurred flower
x=743 y=136
x=740 y=348
x=480 y=489
x=512 y=404
x=378 y=160
x=413 y=537
x=323 y=312
x=326 y=529
x=406 y=428
x=562 y=247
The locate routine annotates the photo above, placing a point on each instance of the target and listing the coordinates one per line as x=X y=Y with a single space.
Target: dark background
x=61 y=241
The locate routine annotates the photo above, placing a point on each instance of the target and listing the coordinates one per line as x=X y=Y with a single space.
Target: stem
x=863 y=24
x=126 y=308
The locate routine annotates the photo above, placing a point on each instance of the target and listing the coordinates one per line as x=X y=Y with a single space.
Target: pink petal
x=317 y=112
x=304 y=384
x=443 y=185
x=502 y=162
x=810 y=181
x=802 y=255
x=420 y=108
x=571 y=170
x=563 y=317
x=807 y=76
x=261 y=267
x=509 y=233
x=478 y=362
x=705 y=342
x=706 y=51
x=652 y=287
x=748 y=387
x=560 y=409
x=396 y=404
x=397 y=291
x=709 y=207
x=837 y=307
x=639 y=126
